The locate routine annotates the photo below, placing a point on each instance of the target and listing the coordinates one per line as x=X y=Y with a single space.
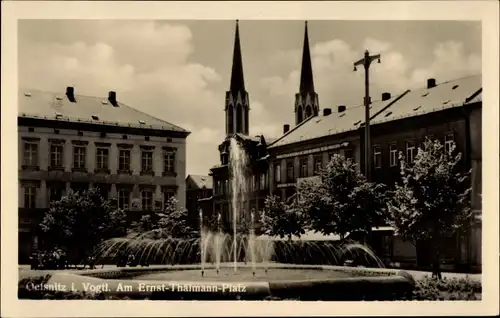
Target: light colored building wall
x=45 y=134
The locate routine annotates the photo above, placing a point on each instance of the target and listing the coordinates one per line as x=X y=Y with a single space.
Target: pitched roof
x=201 y=181
x=335 y=123
x=446 y=95
x=410 y=103
x=87 y=109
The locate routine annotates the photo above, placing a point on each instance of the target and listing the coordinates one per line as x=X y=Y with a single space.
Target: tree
x=211 y=222
x=171 y=222
x=342 y=201
x=79 y=221
x=282 y=218
x=433 y=200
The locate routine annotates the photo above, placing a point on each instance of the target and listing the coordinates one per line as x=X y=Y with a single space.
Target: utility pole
x=366 y=61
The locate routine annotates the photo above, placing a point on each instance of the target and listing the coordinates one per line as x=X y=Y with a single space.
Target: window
x=263 y=181
x=124 y=160
x=123 y=199
x=169 y=161
x=318 y=164
x=103 y=191
x=377 y=156
x=349 y=154
x=169 y=193
x=303 y=167
x=410 y=151
x=289 y=171
x=79 y=153
x=30 y=197
x=217 y=187
x=55 y=193
x=56 y=155
x=277 y=173
x=102 y=158
x=299 y=116
x=256 y=182
x=308 y=111
x=448 y=142
x=79 y=187
x=393 y=155
x=147 y=160
x=147 y=199
x=226 y=186
x=30 y=154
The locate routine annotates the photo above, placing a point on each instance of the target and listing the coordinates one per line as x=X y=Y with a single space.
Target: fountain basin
x=284 y=281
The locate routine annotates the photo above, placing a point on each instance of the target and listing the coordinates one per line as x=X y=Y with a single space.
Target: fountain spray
x=251 y=241
x=202 y=241
x=238 y=161
x=218 y=239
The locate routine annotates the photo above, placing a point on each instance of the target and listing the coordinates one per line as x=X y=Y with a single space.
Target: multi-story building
x=197 y=188
x=69 y=141
x=450 y=112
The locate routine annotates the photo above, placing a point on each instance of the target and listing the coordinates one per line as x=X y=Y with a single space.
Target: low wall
x=367 y=284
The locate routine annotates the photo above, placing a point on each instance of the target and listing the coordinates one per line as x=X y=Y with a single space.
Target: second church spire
x=306 y=101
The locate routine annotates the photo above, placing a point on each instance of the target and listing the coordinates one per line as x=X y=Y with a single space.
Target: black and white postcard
x=253 y=158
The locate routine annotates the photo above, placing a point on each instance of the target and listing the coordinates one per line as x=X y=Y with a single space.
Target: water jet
x=241 y=256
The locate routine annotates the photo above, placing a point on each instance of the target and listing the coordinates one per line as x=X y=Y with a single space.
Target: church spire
x=306 y=100
x=237 y=103
x=306 y=75
x=237 y=80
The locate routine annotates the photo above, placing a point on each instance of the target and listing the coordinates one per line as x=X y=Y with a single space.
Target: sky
x=179 y=70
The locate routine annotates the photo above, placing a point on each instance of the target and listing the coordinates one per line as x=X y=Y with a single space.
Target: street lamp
x=366 y=62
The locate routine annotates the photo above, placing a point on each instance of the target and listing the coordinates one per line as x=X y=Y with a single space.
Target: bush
x=430 y=288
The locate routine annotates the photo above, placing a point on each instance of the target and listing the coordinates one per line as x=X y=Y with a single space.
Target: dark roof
x=410 y=103
x=87 y=109
x=306 y=74
x=201 y=181
x=237 y=80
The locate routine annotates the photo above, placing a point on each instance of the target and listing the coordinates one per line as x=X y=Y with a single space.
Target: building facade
x=197 y=188
x=449 y=112
x=68 y=141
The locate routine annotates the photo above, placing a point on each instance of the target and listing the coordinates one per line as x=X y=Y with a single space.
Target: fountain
x=202 y=245
x=238 y=171
x=277 y=267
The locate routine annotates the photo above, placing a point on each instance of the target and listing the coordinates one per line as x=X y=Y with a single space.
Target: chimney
x=286 y=128
x=70 y=93
x=386 y=96
x=431 y=82
x=327 y=111
x=112 y=98
x=341 y=109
